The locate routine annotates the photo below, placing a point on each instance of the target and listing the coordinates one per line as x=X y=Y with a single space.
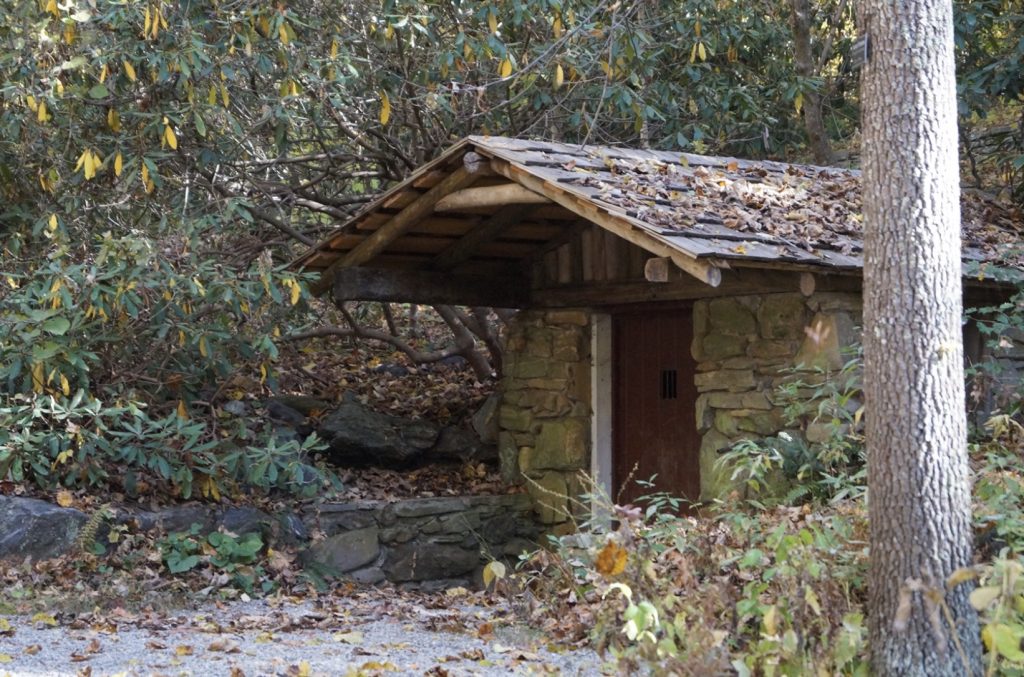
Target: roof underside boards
x=721 y=210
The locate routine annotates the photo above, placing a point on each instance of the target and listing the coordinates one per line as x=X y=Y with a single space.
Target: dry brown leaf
x=611 y=561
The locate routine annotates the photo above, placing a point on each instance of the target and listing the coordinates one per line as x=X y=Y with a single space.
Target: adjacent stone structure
x=544 y=418
x=748 y=346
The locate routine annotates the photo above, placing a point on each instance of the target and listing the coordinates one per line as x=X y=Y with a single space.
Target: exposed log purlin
x=397 y=226
x=428 y=287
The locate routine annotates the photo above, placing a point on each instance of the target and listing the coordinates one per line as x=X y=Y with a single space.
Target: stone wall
x=544 y=419
x=745 y=349
x=434 y=542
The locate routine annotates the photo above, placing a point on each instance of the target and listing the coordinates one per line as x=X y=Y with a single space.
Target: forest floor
x=368 y=632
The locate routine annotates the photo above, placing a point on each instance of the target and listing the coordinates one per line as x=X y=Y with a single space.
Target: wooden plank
x=587 y=254
x=564 y=263
x=537 y=232
x=484 y=233
x=597 y=233
x=400 y=224
x=429 y=287
x=401 y=199
x=705 y=271
x=613 y=251
x=683 y=288
x=576 y=256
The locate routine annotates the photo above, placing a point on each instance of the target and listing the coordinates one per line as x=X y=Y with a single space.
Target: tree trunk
x=814 y=119
x=918 y=482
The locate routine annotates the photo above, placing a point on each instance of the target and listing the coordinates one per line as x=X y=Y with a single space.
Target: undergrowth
x=765 y=583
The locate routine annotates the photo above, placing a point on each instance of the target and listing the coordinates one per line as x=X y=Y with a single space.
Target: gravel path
x=363 y=634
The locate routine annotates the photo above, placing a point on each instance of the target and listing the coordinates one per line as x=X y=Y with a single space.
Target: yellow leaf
x=118 y=164
x=693 y=53
x=282 y=31
x=798 y=102
x=506 y=68
x=129 y=70
x=492 y=21
x=611 y=561
x=334 y=48
x=701 y=52
x=51 y=7
x=263 y=373
x=183 y=650
x=385 y=108
x=41 y=113
x=181 y=338
x=104 y=72
x=5 y=658
x=203 y=350
x=304 y=669
x=65 y=386
x=559 y=76
x=30 y=101
x=224 y=95
x=69 y=33
x=771 y=618
x=52 y=225
x=45 y=619
x=81 y=160
x=65 y=499
x=556 y=27
x=170 y=137
x=493 y=571
x=114 y=120
x=182 y=410
x=389 y=32
x=296 y=293
x=146 y=22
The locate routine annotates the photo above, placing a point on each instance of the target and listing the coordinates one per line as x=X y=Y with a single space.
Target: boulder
x=461 y=444
x=37 y=529
x=429 y=561
x=485 y=420
x=359 y=435
x=347 y=551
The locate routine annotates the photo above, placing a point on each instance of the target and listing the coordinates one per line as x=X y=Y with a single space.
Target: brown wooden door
x=654 y=426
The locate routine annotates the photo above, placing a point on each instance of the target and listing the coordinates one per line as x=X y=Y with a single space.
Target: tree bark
x=918 y=476
x=814 y=119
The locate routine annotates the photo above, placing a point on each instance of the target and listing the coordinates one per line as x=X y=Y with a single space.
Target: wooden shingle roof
x=704 y=213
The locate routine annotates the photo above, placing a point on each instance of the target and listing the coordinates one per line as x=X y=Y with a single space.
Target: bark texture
x=814 y=118
x=918 y=477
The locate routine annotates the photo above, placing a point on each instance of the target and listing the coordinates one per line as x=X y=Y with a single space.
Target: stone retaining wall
x=746 y=347
x=544 y=419
x=438 y=542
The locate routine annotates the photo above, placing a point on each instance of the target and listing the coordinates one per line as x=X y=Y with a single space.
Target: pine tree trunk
x=918 y=476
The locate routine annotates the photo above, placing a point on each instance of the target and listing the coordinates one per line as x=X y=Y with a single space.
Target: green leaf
x=200 y=124
x=100 y=91
x=58 y=326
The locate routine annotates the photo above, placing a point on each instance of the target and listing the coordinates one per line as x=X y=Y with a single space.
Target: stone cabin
x=662 y=294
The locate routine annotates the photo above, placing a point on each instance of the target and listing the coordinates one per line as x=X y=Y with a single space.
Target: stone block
x=508 y=459
x=726 y=423
x=821 y=346
x=782 y=316
x=757 y=400
x=703 y=414
x=763 y=349
x=550 y=498
x=423 y=507
x=346 y=551
x=725 y=400
x=721 y=346
x=515 y=418
x=561 y=445
x=700 y=318
x=527 y=366
x=565 y=346
x=558 y=384
x=725 y=379
x=428 y=561
x=577 y=318
x=538 y=342
x=729 y=316
x=761 y=423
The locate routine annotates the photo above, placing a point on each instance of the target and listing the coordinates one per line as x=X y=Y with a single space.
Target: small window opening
x=669 y=390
